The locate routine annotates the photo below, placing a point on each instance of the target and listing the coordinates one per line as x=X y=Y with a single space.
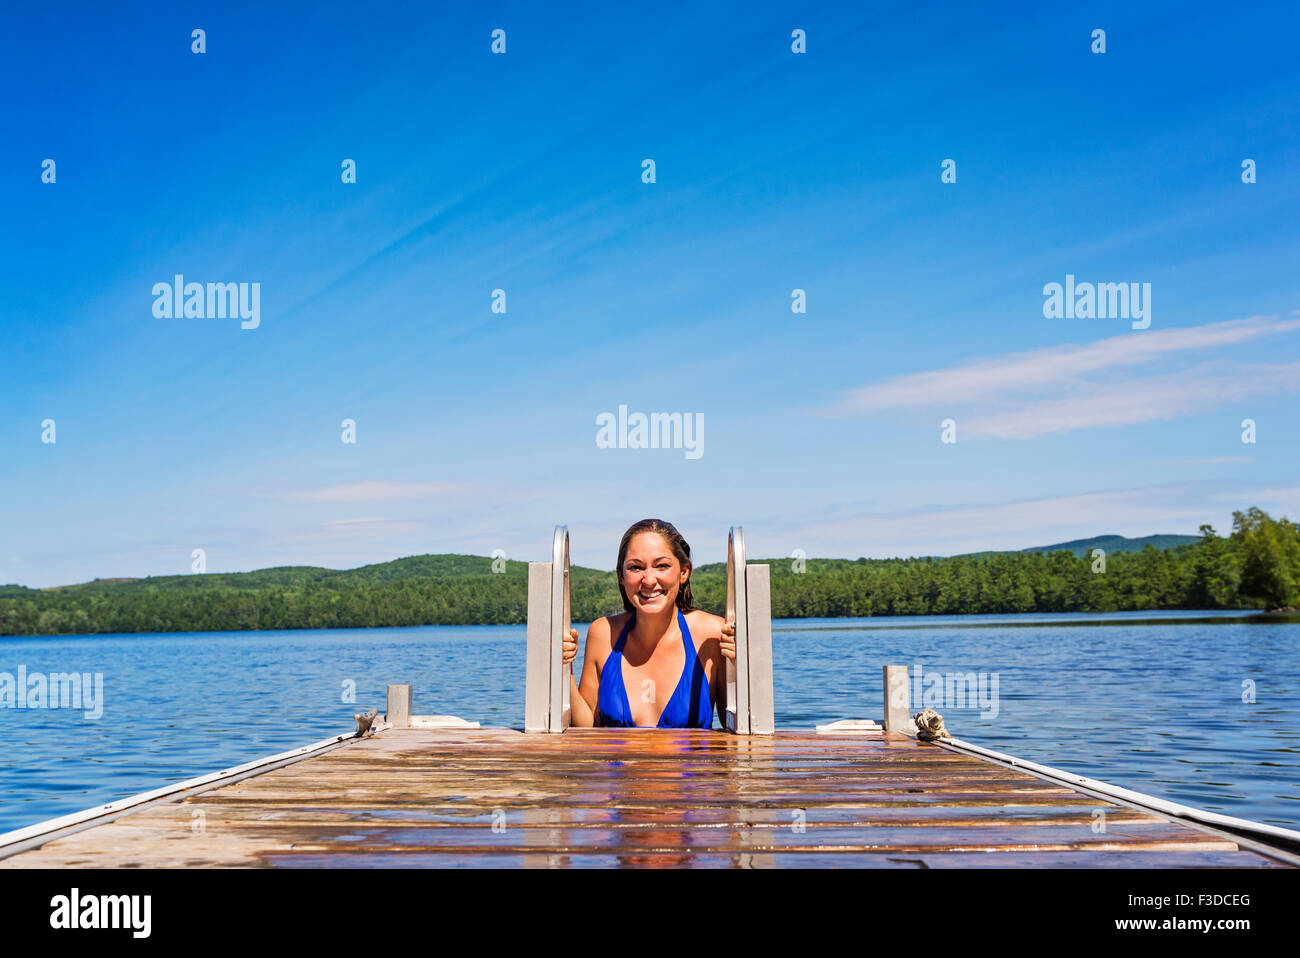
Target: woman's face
x=652 y=575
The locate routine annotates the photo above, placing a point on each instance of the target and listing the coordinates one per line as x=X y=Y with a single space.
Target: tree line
x=1257 y=566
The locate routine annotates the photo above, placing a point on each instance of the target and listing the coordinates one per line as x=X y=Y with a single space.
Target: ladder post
x=758 y=595
x=537 y=671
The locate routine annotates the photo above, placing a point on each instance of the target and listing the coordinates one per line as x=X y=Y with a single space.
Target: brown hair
x=680 y=548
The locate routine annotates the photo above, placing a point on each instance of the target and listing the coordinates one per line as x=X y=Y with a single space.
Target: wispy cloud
x=1133 y=400
x=367 y=528
x=1277 y=495
x=373 y=490
x=1063 y=388
x=1019 y=524
x=1179 y=507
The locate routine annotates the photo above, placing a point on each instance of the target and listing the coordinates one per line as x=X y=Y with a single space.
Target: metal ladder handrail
x=736 y=718
x=561 y=623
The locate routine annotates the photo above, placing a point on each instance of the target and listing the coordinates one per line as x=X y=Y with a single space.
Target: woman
x=660 y=664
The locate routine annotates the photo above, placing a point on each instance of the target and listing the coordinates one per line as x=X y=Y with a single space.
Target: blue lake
x=1159 y=702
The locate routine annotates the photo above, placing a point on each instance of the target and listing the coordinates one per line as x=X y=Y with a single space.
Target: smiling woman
x=669 y=652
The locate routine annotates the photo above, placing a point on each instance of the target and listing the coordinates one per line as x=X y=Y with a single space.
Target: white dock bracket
x=750 y=709
x=897 y=716
x=399 y=706
x=547 y=680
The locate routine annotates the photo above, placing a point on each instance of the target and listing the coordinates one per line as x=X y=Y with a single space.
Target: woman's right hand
x=728 y=639
x=570 y=647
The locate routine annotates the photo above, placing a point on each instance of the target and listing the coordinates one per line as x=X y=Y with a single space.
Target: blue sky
x=774 y=171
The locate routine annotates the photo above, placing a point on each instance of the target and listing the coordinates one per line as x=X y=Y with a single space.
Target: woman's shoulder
x=616 y=622
x=600 y=639
x=602 y=630
x=704 y=625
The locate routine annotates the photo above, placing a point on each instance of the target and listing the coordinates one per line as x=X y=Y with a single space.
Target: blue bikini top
x=691 y=705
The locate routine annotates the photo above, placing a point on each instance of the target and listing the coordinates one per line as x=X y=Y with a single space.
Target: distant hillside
x=455 y=566
x=294 y=576
x=1258 y=566
x=1109 y=544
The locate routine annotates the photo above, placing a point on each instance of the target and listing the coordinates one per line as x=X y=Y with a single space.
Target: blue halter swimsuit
x=691 y=706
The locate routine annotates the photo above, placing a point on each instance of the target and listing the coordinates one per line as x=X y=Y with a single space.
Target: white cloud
x=1276 y=494
x=1006 y=525
x=368 y=528
x=371 y=490
x=1136 y=400
x=1062 y=388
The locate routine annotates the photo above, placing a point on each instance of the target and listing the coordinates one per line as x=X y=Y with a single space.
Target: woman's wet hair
x=675 y=542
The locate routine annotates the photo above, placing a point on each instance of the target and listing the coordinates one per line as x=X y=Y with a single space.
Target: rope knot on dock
x=929 y=725
x=365 y=723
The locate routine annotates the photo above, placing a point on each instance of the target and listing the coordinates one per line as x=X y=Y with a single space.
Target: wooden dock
x=498 y=797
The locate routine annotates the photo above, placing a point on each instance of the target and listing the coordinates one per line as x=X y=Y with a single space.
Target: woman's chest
x=651 y=685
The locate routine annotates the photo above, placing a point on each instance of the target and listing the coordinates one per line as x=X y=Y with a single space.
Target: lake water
x=1150 y=701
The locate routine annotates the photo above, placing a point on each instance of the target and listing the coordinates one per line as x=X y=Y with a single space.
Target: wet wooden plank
x=504 y=834
x=497 y=797
x=602 y=816
x=1094 y=859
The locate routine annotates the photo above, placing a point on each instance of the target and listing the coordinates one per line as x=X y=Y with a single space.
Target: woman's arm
x=718 y=646
x=584 y=695
x=726 y=652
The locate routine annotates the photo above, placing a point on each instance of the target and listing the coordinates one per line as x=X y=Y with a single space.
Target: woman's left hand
x=728 y=640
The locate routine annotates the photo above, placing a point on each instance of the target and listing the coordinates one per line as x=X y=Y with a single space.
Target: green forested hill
x=1109 y=544
x=1257 y=566
x=1113 y=543
x=298 y=576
